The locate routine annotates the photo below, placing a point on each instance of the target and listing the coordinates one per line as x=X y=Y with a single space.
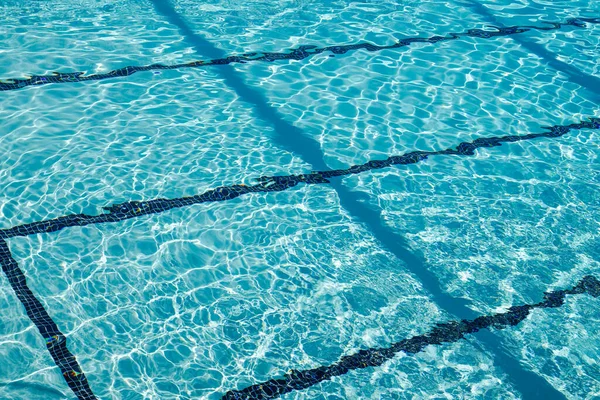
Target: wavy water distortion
x=133 y=209
x=56 y=342
x=299 y=53
x=290 y=138
x=447 y=332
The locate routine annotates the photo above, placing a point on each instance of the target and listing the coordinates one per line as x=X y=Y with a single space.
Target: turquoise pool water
x=195 y=301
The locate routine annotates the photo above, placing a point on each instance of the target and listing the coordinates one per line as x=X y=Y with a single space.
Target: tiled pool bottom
x=106 y=289
x=450 y=332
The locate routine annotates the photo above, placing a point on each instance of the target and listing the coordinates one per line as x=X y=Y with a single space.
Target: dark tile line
x=133 y=209
x=56 y=342
x=447 y=332
x=299 y=53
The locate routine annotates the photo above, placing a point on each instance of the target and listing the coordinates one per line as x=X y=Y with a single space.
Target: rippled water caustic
x=299 y=199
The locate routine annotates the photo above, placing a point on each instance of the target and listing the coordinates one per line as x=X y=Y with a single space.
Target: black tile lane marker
x=56 y=342
x=299 y=53
x=133 y=209
x=448 y=332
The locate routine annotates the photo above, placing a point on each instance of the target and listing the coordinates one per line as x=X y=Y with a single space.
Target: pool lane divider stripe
x=299 y=53
x=448 y=332
x=134 y=209
x=56 y=342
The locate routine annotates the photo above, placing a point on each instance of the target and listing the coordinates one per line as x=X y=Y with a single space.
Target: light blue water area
x=196 y=301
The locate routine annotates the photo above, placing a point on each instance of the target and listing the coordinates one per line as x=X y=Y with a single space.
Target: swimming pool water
x=196 y=297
